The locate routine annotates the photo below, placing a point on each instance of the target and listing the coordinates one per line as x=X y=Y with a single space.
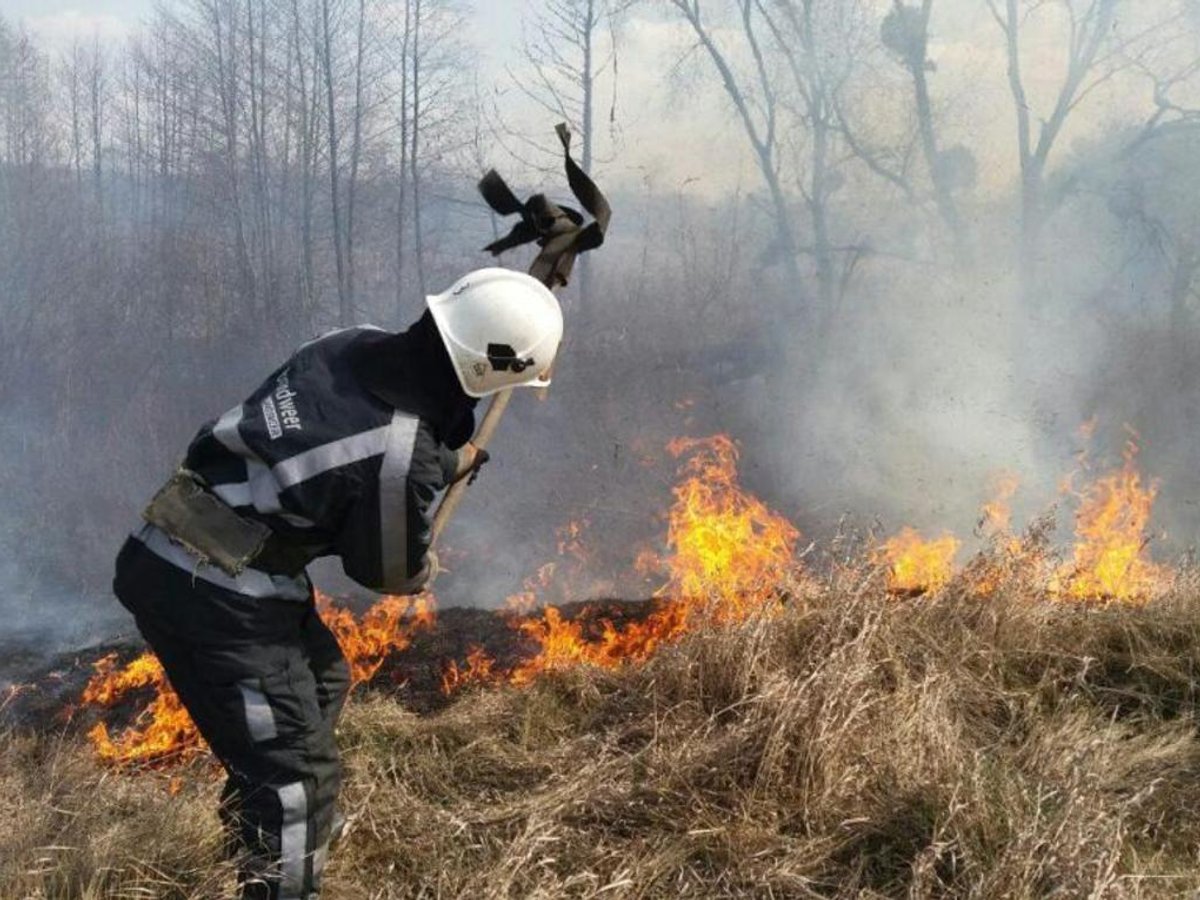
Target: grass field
x=847 y=744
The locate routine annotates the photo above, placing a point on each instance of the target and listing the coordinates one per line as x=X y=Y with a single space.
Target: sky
x=62 y=19
x=659 y=111
x=59 y=20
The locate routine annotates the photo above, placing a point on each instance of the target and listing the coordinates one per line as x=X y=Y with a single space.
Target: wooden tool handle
x=552 y=267
x=483 y=436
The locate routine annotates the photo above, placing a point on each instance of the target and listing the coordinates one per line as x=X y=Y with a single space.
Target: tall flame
x=728 y=552
x=1109 y=560
x=726 y=545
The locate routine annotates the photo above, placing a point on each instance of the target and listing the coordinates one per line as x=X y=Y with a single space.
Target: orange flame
x=727 y=554
x=996 y=517
x=1109 y=559
x=1006 y=556
x=916 y=565
x=479 y=670
x=387 y=627
x=163 y=731
x=726 y=544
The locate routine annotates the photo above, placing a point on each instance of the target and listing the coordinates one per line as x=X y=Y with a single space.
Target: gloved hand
x=470 y=461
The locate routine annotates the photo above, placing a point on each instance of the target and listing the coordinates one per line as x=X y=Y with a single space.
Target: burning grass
x=726 y=552
x=883 y=725
x=848 y=744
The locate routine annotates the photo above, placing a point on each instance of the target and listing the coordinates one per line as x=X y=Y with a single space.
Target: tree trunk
x=76 y=123
x=404 y=127
x=827 y=294
x=227 y=81
x=97 y=103
x=307 y=151
x=917 y=62
x=588 y=84
x=355 y=150
x=345 y=311
x=1183 y=329
x=414 y=152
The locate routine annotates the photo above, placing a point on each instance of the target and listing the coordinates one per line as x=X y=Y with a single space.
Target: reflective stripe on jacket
x=328 y=465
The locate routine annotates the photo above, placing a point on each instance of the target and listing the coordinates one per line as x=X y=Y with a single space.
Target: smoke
x=53 y=588
x=937 y=370
x=937 y=379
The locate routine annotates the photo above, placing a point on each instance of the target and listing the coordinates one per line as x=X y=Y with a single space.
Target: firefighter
x=340 y=452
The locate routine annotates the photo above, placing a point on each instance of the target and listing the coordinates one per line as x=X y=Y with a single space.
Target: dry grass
x=71 y=829
x=852 y=746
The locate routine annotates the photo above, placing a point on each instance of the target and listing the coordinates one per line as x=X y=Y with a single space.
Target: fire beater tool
x=562 y=235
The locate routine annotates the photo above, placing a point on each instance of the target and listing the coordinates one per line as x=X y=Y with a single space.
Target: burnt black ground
x=43 y=695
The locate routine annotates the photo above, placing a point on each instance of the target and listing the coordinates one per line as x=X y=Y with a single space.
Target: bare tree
x=97 y=86
x=345 y=300
x=905 y=32
x=305 y=118
x=432 y=112
x=414 y=151
x=405 y=125
x=24 y=147
x=72 y=75
x=356 y=141
x=257 y=43
x=1090 y=62
x=1171 y=65
x=758 y=109
x=26 y=100
x=795 y=59
x=219 y=30
x=815 y=83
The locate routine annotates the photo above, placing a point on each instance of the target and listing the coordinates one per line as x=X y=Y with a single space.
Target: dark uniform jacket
x=341 y=451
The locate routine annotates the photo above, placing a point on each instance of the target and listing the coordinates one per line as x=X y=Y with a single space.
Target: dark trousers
x=264 y=680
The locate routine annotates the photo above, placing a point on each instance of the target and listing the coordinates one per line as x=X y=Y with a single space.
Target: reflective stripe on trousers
x=264 y=681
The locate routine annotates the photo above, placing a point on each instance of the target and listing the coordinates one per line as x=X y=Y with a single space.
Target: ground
x=845 y=743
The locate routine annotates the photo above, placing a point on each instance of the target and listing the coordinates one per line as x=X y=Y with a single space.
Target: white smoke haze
x=149 y=276
x=58 y=31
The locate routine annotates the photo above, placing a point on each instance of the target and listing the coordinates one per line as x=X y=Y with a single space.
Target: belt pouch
x=205 y=525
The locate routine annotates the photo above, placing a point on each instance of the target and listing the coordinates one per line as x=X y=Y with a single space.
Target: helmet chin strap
x=561 y=234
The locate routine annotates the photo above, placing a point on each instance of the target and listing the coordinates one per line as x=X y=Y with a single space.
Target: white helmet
x=502 y=329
